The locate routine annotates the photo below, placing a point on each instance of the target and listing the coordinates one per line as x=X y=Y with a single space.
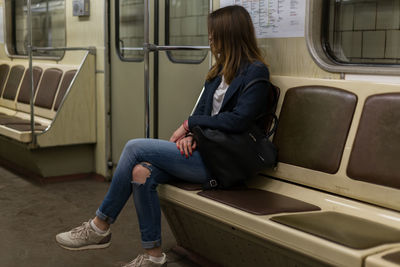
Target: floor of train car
x=31 y=215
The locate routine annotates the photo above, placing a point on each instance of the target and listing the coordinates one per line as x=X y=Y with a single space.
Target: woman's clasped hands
x=184 y=141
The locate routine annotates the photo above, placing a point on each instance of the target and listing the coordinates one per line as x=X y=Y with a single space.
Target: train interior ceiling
x=333 y=199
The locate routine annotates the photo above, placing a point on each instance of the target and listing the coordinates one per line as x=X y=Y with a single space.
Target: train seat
x=347 y=184
x=341 y=228
x=19 y=124
x=4 y=69
x=64 y=113
x=258 y=202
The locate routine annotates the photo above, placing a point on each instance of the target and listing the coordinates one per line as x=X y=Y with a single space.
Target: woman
x=145 y=163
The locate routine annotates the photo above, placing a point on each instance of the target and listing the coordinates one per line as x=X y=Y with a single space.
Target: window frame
x=167 y=41
x=117 y=46
x=315 y=34
x=10 y=39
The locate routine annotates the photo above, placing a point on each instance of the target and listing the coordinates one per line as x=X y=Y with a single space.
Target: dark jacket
x=237 y=113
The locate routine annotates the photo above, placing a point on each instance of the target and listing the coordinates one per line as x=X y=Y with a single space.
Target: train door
x=127 y=82
x=176 y=77
x=181 y=73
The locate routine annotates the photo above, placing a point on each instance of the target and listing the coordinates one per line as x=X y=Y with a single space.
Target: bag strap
x=275 y=102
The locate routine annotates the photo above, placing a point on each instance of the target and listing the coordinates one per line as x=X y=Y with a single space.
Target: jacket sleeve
x=249 y=106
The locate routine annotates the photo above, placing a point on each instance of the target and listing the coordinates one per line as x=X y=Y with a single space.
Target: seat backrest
x=48 y=88
x=66 y=82
x=13 y=82
x=24 y=95
x=4 y=68
x=375 y=156
x=313 y=126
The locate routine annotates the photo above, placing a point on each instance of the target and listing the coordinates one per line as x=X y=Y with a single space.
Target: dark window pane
x=363 y=31
x=188 y=26
x=48 y=26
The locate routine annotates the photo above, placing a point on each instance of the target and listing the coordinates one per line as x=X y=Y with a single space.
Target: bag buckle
x=213 y=183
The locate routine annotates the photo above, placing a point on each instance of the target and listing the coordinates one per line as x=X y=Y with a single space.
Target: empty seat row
x=49 y=86
x=11 y=81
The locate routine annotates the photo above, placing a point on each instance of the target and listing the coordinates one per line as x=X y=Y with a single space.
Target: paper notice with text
x=274 y=18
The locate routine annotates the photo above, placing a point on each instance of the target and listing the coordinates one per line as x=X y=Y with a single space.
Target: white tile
x=351 y=44
x=346 y=17
x=364 y=16
x=388 y=15
x=373 y=44
x=393 y=44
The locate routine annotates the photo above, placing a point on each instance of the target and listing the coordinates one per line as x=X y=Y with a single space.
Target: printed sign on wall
x=274 y=18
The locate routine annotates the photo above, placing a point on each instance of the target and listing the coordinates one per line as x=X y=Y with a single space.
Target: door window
x=186 y=24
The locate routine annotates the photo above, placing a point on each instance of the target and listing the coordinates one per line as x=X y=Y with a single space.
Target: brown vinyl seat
x=258 y=202
x=13 y=82
x=24 y=95
x=4 y=69
x=313 y=126
x=66 y=82
x=48 y=88
x=6 y=120
x=375 y=157
x=393 y=257
x=341 y=228
x=186 y=185
x=26 y=127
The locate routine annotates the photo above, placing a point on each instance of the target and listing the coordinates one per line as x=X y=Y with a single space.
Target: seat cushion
x=313 y=126
x=7 y=119
x=375 y=156
x=186 y=185
x=343 y=229
x=259 y=202
x=25 y=127
x=24 y=95
x=393 y=257
x=13 y=82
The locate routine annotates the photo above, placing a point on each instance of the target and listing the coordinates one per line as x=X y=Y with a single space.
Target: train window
x=130 y=29
x=48 y=26
x=355 y=36
x=365 y=31
x=186 y=24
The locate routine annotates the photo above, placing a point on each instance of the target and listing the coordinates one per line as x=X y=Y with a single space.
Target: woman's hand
x=178 y=134
x=186 y=145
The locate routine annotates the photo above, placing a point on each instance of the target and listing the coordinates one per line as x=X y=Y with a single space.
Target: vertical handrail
x=146 y=67
x=29 y=21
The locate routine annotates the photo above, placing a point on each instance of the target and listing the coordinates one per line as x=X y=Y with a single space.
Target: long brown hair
x=232 y=40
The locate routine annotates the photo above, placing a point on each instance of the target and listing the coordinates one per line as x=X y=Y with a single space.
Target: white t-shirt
x=219 y=96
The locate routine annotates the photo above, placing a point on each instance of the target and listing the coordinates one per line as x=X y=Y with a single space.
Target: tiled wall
x=131 y=27
x=366 y=31
x=51 y=35
x=188 y=26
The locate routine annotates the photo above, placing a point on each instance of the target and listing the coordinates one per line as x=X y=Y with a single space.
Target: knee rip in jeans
x=141 y=172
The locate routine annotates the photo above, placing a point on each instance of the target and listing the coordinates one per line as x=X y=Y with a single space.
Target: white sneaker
x=144 y=260
x=84 y=237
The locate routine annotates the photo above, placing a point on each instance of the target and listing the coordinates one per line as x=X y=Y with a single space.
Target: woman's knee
x=141 y=172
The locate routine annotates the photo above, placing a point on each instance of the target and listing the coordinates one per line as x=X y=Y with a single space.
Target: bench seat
x=349 y=231
x=265 y=228
x=339 y=152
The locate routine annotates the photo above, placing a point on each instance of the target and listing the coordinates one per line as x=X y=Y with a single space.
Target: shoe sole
x=87 y=247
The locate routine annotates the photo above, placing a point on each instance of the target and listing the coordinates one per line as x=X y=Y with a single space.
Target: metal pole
x=146 y=68
x=29 y=19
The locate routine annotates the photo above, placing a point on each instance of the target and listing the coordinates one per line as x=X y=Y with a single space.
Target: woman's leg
x=160 y=153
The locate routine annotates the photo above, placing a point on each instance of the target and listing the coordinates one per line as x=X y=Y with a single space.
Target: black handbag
x=231 y=158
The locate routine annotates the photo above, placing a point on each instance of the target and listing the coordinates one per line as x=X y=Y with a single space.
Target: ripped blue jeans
x=166 y=162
